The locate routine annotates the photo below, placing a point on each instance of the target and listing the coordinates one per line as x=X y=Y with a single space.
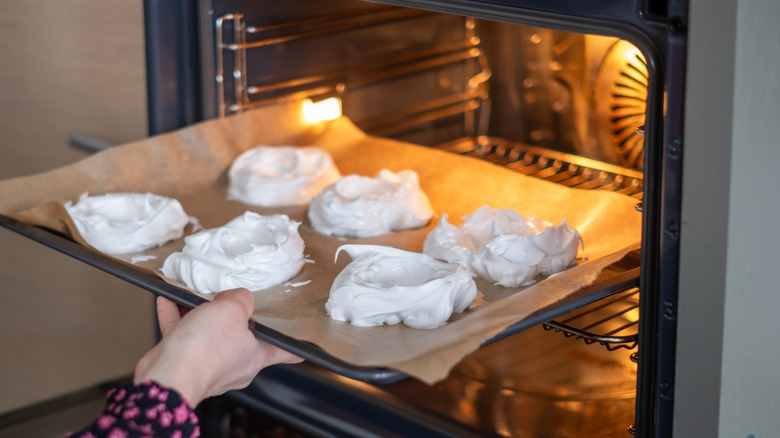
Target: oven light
x=327 y=109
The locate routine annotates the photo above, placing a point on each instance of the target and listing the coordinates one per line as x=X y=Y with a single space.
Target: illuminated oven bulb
x=327 y=109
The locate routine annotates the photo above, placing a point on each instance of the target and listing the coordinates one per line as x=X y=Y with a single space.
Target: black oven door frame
x=179 y=46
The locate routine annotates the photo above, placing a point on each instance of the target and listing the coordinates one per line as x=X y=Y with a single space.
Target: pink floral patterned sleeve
x=147 y=409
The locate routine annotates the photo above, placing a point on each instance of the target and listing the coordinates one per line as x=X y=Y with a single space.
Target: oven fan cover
x=620 y=96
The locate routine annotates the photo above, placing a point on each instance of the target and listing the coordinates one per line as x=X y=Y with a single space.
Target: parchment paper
x=190 y=164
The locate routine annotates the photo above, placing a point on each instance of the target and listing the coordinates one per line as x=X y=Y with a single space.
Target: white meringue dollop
x=504 y=247
x=121 y=223
x=385 y=285
x=251 y=251
x=359 y=206
x=275 y=176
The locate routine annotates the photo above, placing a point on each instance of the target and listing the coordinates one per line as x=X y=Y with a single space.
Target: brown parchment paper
x=190 y=165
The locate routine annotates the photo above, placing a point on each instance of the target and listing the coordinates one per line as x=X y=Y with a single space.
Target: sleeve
x=140 y=410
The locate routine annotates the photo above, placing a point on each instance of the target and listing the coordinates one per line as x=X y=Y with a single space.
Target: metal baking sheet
x=190 y=165
x=310 y=352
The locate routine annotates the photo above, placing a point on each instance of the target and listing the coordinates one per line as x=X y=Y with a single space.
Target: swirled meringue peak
x=385 y=285
x=251 y=251
x=359 y=206
x=121 y=223
x=275 y=176
x=504 y=247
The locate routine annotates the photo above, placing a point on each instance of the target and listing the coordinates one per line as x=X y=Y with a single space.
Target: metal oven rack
x=609 y=331
x=569 y=170
x=613 y=321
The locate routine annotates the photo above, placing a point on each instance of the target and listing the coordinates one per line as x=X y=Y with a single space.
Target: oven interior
x=563 y=106
x=458 y=83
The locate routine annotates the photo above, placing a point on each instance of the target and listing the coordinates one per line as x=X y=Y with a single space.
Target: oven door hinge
x=663 y=11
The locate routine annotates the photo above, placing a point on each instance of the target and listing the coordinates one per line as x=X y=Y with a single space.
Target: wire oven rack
x=567 y=169
x=615 y=330
x=613 y=321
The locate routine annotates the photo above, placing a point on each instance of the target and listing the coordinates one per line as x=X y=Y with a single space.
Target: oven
x=587 y=95
x=590 y=95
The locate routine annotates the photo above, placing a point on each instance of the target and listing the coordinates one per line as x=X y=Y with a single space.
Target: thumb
x=168 y=315
x=240 y=296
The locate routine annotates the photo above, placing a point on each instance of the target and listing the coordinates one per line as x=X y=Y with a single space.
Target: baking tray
x=311 y=353
x=190 y=165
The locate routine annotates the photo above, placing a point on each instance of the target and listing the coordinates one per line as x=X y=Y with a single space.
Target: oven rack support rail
x=237 y=42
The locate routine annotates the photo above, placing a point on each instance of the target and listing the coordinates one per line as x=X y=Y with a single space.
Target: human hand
x=210 y=350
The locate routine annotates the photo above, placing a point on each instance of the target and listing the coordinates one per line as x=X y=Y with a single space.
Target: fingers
x=266 y=353
x=168 y=315
x=217 y=335
x=241 y=297
x=274 y=355
x=283 y=356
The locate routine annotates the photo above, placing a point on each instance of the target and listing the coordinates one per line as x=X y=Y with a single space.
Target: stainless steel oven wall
x=432 y=78
x=576 y=93
x=401 y=73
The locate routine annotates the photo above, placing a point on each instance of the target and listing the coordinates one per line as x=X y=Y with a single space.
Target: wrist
x=154 y=367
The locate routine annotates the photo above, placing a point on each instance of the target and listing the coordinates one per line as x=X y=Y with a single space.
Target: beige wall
x=728 y=350
x=66 y=66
